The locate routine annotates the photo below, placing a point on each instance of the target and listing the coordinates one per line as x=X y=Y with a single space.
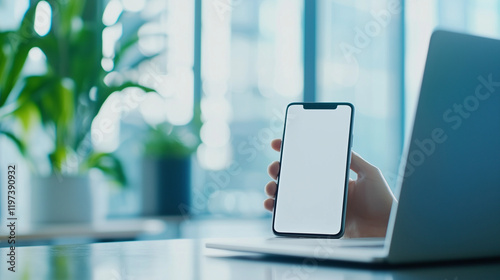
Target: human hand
x=369 y=198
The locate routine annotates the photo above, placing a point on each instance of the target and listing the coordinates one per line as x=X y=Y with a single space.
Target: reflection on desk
x=189 y=259
x=109 y=230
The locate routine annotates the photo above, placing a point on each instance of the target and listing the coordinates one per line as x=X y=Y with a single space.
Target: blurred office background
x=229 y=68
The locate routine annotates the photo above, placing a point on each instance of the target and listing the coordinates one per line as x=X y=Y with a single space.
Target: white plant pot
x=61 y=199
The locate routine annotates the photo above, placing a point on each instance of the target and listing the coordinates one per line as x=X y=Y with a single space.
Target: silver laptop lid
x=449 y=199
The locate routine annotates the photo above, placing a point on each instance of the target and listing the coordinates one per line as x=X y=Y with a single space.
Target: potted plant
x=167 y=168
x=63 y=101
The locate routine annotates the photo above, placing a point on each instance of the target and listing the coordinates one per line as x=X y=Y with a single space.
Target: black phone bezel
x=317 y=106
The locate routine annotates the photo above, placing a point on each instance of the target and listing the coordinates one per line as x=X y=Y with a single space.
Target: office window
x=165 y=31
x=474 y=17
x=251 y=69
x=360 y=61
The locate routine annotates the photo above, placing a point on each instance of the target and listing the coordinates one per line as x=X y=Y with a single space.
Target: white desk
x=189 y=259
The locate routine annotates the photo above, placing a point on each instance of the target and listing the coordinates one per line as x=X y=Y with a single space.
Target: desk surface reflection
x=189 y=259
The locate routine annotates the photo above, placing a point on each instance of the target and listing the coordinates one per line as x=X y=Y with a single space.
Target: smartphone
x=314 y=170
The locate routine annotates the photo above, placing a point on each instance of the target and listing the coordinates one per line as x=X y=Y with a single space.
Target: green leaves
x=19 y=144
x=168 y=141
x=66 y=98
x=15 y=57
x=34 y=87
x=14 y=49
x=28 y=115
x=57 y=104
x=109 y=165
x=4 y=55
x=52 y=96
x=105 y=91
x=58 y=158
x=49 y=99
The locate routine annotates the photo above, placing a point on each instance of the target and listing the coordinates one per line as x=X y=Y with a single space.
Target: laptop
x=449 y=189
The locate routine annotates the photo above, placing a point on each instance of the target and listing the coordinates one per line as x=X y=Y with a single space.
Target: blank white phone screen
x=313 y=172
